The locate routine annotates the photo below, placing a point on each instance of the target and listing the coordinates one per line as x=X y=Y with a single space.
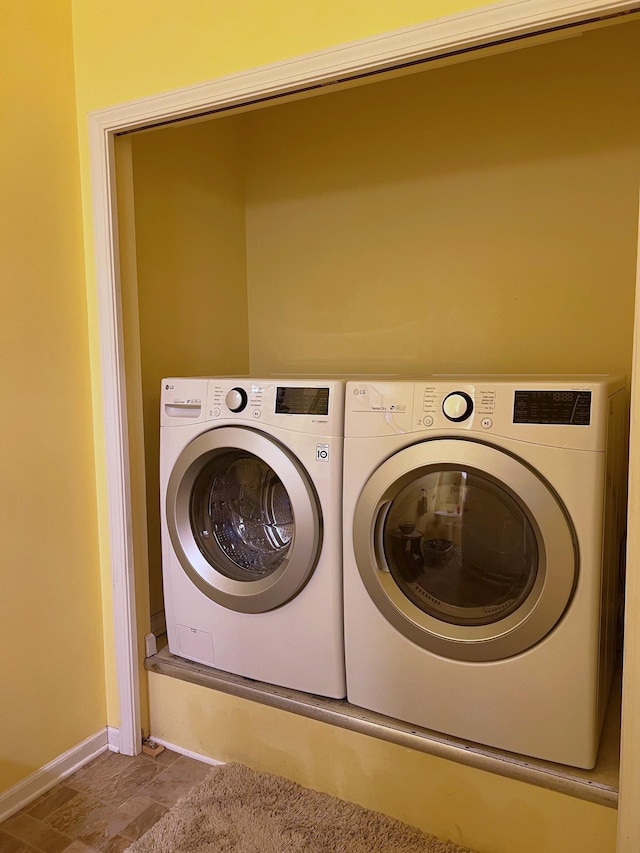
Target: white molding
x=116 y=443
x=628 y=811
x=113 y=739
x=434 y=39
x=46 y=777
x=439 y=37
x=188 y=752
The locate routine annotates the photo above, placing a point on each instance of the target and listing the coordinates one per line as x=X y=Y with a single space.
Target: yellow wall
x=488 y=813
x=191 y=274
x=479 y=218
x=127 y=50
x=52 y=670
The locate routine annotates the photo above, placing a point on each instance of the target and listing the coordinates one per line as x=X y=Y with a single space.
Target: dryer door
x=244 y=519
x=465 y=549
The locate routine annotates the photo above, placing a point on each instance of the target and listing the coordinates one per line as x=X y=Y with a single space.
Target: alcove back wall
x=479 y=217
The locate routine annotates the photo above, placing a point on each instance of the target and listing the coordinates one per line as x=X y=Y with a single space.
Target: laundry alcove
x=475 y=217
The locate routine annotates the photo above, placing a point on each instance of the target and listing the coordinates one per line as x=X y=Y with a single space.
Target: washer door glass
x=460 y=547
x=243 y=518
x=465 y=549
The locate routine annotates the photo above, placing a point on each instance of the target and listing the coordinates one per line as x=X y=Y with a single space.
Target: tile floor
x=104 y=806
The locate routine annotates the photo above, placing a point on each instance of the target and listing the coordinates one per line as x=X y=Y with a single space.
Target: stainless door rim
x=263 y=594
x=557 y=571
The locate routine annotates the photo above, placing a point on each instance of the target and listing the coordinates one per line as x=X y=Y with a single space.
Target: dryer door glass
x=460 y=547
x=465 y=549
x=241 y=516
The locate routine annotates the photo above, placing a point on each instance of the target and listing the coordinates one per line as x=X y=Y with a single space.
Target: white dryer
x=251 y=484
x=483 y=530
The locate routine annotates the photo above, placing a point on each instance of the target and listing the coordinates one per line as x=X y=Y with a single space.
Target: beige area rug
x=239 y=810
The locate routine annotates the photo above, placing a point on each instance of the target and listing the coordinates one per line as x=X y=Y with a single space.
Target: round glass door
x=244 y=519
x=241 y=516
x=465 y=549
x=460 y=547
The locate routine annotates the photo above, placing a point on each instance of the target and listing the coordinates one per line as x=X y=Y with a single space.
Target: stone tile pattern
x=104 y=806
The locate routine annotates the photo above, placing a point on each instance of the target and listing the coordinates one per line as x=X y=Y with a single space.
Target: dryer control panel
x=558 y=411
x=379 y=408
x=460 y=404
x=562 y=406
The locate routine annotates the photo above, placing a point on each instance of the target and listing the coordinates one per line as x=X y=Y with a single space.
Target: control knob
x=457 y=406
x=236 y=399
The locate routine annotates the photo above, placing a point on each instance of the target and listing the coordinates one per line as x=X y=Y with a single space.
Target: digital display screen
x=552 y=407
x=302 y=401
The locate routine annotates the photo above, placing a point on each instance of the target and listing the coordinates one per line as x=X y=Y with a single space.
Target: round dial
x=236 y=399
x=457 y=406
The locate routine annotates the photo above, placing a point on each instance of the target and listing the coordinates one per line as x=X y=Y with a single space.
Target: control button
x=256 y=413
x=216 y=413
x=236 y=399
x=487 y=423
x=428 y=421
x=457 y=406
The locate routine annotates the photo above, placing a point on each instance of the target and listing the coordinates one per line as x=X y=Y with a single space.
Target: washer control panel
x=236 y=400
x=228 y=399
x=314 y=406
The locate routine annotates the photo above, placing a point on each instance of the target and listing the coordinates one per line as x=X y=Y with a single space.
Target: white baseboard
x=46 y=777
x=188 y=752
x=113 y=739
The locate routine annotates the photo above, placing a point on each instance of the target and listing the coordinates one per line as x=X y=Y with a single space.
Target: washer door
x=244 y=519
x=465 y=549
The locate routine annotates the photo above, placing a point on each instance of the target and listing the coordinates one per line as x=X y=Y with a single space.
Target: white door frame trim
x=442 y=39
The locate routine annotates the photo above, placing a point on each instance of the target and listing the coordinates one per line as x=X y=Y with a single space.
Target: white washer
x=483 y=531
x=251 y=484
